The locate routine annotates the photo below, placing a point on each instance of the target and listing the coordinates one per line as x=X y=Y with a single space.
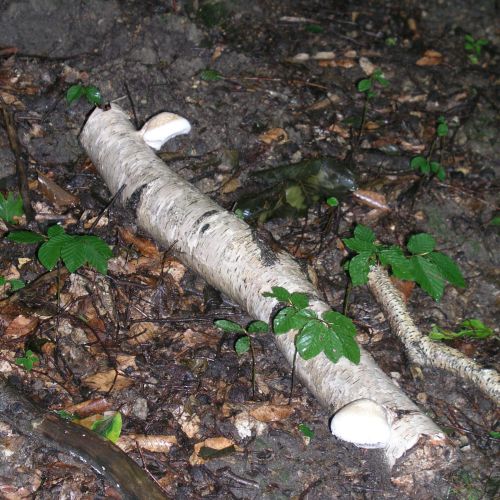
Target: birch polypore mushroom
x=231 y=257
x=163 y=127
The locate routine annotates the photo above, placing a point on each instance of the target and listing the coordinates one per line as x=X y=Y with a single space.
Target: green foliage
x=90 y=92
x=65 y=415
x=212 y=14
x=332 y=201
x=10 y=207
x=428 y=268
x=314 y=28
x=367 y=85
x=306 y=431
x=243 y=343
x=210 y=75
x=495 y=221
x=15 y=284
x=474 y=47
x=424 y=164
x=494 y=434
x=74 y=250
x=27 y=361
x=333 y=333
x=472 y=328
x=109 y=426
x=391 y=41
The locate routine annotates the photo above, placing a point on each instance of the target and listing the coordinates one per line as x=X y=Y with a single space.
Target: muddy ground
x=142 y=341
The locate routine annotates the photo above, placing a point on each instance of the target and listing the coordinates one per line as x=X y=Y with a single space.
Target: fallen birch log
x=231 y=257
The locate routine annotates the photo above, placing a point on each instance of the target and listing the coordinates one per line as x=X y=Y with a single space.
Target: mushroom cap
x=364 y=422
x=163 y=127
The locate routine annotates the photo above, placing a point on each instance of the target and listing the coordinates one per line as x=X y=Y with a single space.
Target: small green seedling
x=15 y=284
x=66 y=415
x=391 y=41
x=471 y=328
x=424 y=164
x=367 y=85
x=90 y=92
x=11 y=207
x=315 y=29
x=306 y=431
x=210 y=75
x=27 y=361
x=110 y=426
x=74 y=250
x=494 y=434
x=474 y=47
x=332 y=202
x=333 y=334
x=428 y=268
x=495 y=221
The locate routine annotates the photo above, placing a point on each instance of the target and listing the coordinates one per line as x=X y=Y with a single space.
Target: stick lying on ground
x=231 y=257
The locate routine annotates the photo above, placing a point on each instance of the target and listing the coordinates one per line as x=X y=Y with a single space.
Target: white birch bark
x=227 y=253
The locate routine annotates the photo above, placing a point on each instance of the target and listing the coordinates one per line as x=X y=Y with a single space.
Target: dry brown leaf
x=345 y=62
x=139 y=333
x=231 y=185
x=337 y=129
x=404 y=287
x=329 y=63
x=371 y=126
x=219 y=49
x=412 y=98
x=21 y=326
x=271 y=413
x=144 y=246
x=371 y=199
x=89 y=407
x=11 y=100
x=154 y=443
x=274 y=135
x=108 y=380
x=217 y=443
x=430 y=58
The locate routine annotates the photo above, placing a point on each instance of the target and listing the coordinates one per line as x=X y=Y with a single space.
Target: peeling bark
x=228 y=254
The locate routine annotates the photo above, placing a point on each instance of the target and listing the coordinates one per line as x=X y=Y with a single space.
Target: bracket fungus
x=162 y=127
x=364 y=422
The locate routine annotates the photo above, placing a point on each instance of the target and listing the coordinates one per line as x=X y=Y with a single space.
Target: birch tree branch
x=231 y=257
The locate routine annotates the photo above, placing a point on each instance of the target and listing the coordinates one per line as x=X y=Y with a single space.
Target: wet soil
x=261 y=105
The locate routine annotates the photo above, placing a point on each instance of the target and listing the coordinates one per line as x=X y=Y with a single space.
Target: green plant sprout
x=474 y=47
x=315 y=29
x=424 y=164
x=333 y=334
x=244 y=342
x=74 y=250
x=332 y=202
x=11 y=207
x=428 y=268
x=15 y=284
x=306 y=431
x=90 y=92
x=472 y=328
x=210 y=75
x=27 y=361
x=110 y=426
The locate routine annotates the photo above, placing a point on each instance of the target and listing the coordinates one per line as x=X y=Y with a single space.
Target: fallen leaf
x=89 y=407
x=404 y=287
x=371 y=199
x=271 y=413
x=217 y=443
x=219 y=49
x=231 y=185
x=144 y=246
x=153 y=443
x=322 y=56
x=107 y=380
x=430 y=58
x=337 y=129
x=366 y=65
x=21 y=326
x=274 y=135
x=345 y=62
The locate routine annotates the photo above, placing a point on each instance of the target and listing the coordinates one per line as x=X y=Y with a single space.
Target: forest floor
x=264 y=84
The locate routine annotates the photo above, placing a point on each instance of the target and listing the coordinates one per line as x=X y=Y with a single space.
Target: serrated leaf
x=421 y=243
x=55 y=230
x=229 y=326
x=364 y=233
x=16 y=284
x=25 y=237
x=341 y=324
x=359 y=267
x=210 y=75
x=279 y=293
x=448 y=268
x=429 y=278
x=309 y=341
x=242 y=345
x=97 y=252
x=290 y=319
x=294 y=196
x=258 y=327
x=74 y=93
x=10 y=207
x=93 y=95
x=475 y=328
x=299 y=300
x=401 y=267
x=364 y=85
x=73 y=254
x=109 y=427
x=359 y=246
x=50 y=252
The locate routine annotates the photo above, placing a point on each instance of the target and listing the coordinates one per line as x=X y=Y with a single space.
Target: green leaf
x=306 y=431
x=379 y=77
x=495 y=221
x=314 y=28
x=27 y=361
x=341 y=324
x=50 y=252
x=359 y=267
x=73 y=254
x=332 y=201
x=476 y=329
x=437 y=333
x=229 y=326
x=93 y=95
x=290 y=319
x=65 y=415
x=494 y=434
x=10 y=207
x=441 y=174
x=333 y=348
x=364 y=85
x=448 y=268
x=401 y=267
x=469 y=38
x=279 y=293
x=359 y=246
x=97 y=252
x=350 y=348
x=258 y=327
x=295 y=197
x=429 y=278
x=309 y=341
x=421 y=243
x=3 y=281
x=364 y=233
x=16 y=284
x=109 y=427
x=210 y=75
x=420 y=163
x=74 y=93
x=299 y=300
x=242 y=345
x=25 y=237
x=55 y=230
x=442 y=128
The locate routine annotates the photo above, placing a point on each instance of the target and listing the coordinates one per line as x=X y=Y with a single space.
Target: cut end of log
x=163 y=127
x=364 y=423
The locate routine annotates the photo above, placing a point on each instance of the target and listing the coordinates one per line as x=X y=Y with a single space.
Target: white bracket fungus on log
x=230 y=256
